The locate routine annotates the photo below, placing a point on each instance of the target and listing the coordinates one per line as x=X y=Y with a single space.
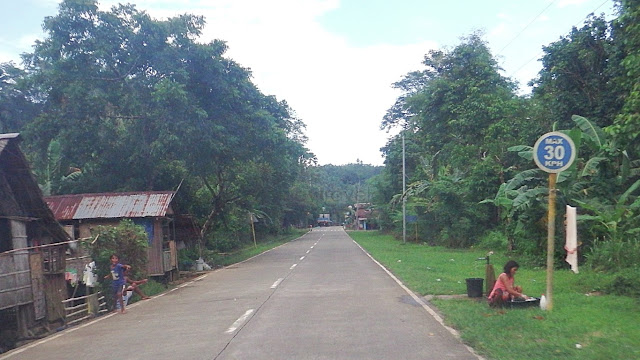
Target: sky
x=334 y=61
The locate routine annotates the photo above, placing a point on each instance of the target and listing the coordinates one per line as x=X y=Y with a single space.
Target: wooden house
x=80 y=213
x=32 y=249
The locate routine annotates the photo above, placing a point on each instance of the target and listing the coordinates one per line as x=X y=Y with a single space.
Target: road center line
x=275 y=284
x=292 y=266
x=302 y=258
x=308 y=251
x=239 y=322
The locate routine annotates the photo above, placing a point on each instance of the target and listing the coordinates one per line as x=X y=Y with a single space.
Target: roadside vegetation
x=248 y=249
x=585 y=323
x=114 y=100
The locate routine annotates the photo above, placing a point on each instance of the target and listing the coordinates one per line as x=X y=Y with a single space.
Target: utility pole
x=404 y=198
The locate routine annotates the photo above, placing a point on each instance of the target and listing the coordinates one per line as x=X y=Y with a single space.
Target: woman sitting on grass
x=504 y=290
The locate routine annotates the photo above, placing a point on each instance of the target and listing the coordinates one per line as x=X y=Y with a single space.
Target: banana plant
x=618 y=219
x=53 y=175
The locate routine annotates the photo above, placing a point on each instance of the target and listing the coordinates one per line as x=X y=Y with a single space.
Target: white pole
x=404 y=199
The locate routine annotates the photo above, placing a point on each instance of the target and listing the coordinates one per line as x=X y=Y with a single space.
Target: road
x=318 y=297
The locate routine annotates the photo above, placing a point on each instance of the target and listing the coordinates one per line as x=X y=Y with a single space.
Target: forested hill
x=342 y=186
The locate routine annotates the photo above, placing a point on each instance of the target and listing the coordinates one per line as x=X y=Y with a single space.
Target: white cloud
x=13 y=49
x=340 y=92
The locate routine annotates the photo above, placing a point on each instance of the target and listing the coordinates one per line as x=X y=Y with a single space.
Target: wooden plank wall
x=155 y=265
x=37 y=284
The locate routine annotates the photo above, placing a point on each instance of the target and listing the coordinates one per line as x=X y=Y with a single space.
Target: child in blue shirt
x=118 y=281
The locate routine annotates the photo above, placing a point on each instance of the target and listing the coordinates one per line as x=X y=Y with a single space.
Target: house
x=80 y=213
x=363 y=214
x=32 y=250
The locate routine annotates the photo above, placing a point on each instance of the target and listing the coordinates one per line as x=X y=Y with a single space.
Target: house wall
x=155 y=251
x=55 y=292
x=37 y=284
x=15 y=288
x=155 y=265
x=15 y=278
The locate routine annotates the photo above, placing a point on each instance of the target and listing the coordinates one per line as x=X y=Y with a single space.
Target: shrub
x=614 y=255
x=129 y=242
x=187 y=258
x=625 y=283
x=493 y=240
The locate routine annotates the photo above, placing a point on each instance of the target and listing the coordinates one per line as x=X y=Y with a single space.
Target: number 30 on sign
x=554 y=152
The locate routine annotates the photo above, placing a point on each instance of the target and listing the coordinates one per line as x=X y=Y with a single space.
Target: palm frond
x=593 y=132
x=524 y=151
x=526 y=198
x=522 y=178
x=591 y=167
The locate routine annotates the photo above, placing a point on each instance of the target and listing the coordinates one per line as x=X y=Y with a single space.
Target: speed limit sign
x=554 y=152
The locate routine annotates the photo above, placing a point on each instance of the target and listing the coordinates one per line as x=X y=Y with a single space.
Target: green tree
x=579 y=75
x=461 y=115
x=16 y=106
x=138 y=104
x=627 y=124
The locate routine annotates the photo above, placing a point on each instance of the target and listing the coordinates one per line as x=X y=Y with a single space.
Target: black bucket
x=474 y=287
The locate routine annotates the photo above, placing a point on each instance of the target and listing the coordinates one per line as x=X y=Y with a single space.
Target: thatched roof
x=19 y=191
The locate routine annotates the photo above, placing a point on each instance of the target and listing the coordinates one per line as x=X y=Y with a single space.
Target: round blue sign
x=554 y=152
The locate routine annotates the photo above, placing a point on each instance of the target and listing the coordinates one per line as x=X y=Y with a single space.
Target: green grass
x=605 y=326
x=251 y=250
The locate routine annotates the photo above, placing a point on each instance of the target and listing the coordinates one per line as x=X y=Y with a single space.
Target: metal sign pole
x=551 y=233
x=554 y=152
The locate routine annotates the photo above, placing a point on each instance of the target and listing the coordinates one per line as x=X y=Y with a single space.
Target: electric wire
x=526 y=26
x=542 y=51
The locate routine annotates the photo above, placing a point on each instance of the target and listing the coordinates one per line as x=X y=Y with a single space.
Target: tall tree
x=627 y=123
x=579 y=75
x=16 y=105
x=462 y=115
x=138 y=104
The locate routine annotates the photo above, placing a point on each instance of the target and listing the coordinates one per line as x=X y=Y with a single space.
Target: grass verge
x=582 y=325
x=251 y=250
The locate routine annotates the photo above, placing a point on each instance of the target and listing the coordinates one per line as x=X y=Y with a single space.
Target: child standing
x=118 y=280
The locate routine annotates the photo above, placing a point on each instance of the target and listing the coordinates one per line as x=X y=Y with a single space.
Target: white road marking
x=275 y=284
x=302 y=258
x=239 y=322
x=308 y=251
x=292 y=266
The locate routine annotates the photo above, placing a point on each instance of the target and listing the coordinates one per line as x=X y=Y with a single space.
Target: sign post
x=554 y=152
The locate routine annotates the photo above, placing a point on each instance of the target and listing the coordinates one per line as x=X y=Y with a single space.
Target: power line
x=526 y=26
x=542 y=51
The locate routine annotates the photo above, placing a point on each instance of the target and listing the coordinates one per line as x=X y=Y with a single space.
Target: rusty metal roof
x=110 y=205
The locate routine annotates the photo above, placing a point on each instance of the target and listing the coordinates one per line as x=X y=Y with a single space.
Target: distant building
x=363 y=214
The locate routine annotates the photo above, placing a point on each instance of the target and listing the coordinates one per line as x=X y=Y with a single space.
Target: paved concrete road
x=318 y=297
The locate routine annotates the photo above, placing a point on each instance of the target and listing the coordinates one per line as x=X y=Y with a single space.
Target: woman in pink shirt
x=504 y=289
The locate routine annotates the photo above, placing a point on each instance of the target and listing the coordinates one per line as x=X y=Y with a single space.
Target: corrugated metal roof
x=110 y=205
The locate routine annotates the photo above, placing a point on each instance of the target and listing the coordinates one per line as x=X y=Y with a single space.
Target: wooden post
x=551 y=232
